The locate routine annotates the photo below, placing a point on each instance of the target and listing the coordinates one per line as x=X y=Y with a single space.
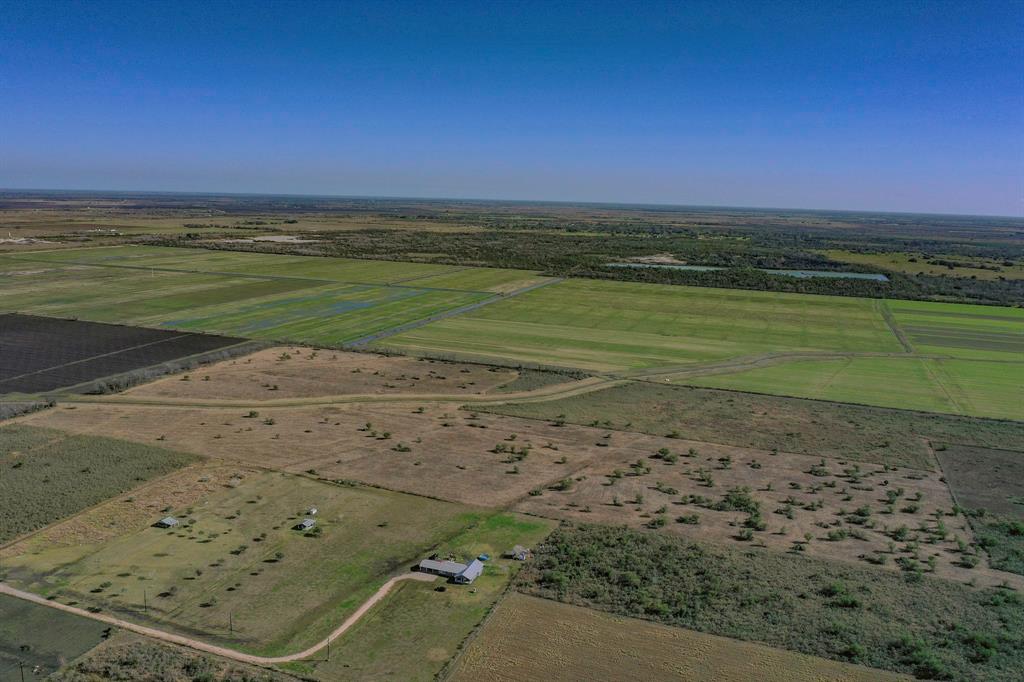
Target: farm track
x=225 y=652
x=890 y=320
x=541 y=394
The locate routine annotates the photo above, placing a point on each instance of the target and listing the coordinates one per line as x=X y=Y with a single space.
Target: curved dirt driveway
x=219 y=650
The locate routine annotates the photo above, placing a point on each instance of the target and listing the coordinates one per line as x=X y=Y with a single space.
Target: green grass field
x=328 y=301
x=601 y=325
x=236 y=570
x=973 y=388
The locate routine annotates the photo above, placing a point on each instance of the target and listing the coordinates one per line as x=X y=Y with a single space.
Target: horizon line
x=561 y=202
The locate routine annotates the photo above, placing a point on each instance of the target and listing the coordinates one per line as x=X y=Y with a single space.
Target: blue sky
x=914 y=106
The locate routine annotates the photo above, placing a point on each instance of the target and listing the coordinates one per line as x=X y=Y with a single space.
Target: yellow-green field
x=602 y=325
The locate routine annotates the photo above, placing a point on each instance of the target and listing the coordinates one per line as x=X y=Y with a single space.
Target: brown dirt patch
x=537 y=639
x=294 y=372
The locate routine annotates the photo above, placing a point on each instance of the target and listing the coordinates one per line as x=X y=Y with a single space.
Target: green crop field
x=962 y=331
x=602 y=325
x=315 y=300
x=236 y=569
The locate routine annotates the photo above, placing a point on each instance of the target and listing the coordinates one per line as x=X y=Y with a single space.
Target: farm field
x=605 y=326
x=766 y=422
x=962 y=331
x=49 y=475
x=262 y=296
x=295 y=372
x=531 y=638
x=236 y=558
x=42 y=354
x=224 y=560
x=581 y=473
x=927 y=627
x=968 y=387
x=41 y=639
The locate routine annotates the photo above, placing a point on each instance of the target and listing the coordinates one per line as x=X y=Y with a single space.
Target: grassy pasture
x=236 y=560
x=43 y=637
x=416 y=630
x=48 y=475
x=768 y=422
x=985 y=478
x=531 y=638
x=967 y=387
x=603 y=325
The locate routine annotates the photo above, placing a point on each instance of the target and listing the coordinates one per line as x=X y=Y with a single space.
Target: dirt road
x=218 y=650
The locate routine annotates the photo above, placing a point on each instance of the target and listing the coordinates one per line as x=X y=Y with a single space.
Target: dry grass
x=292 y=372
x=458 y=456
x=531 y=638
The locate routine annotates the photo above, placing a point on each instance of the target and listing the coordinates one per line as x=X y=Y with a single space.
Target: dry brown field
x=296 y=372
x=527 y=638
x=439 y=451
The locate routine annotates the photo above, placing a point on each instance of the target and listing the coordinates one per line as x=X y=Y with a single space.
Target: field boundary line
x=225 y=652
x=494 y=297
x=894 y=326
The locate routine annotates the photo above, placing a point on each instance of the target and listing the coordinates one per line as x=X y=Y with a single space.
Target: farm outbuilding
x=305 y=524
x=453 y=570
x=167 y=522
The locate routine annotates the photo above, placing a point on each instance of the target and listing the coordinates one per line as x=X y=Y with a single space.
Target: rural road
x=219 y=650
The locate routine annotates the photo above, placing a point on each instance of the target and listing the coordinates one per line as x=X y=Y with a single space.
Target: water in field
x=804 y=274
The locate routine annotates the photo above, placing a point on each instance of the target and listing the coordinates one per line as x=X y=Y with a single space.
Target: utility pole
x=328 y=649
x=231 y=622
x=21 y=667
x=145 y=603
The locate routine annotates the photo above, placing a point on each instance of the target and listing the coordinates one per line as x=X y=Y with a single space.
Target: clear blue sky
x=912 y=106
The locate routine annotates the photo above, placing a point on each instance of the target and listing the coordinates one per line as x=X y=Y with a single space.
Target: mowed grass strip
x=48 y=475
x=538 y=639
x=962 y=331
x=969 y=387
x=614 y=325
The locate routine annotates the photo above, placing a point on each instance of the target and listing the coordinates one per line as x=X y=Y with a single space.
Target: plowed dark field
x=40 y=354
